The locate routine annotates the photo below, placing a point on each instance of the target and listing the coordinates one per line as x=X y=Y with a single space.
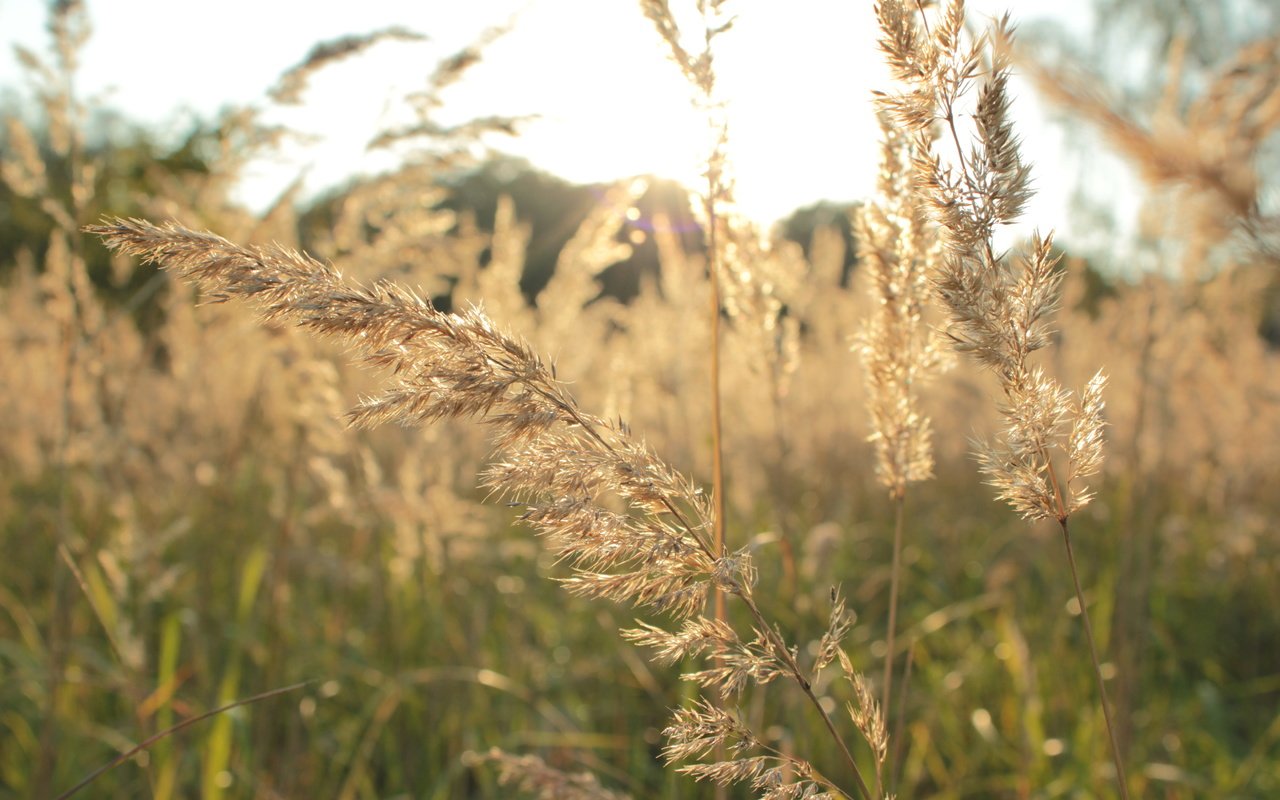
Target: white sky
x=798 y=74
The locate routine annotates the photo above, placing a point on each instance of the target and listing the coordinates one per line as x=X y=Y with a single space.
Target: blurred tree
x=800 y=225
x=1184 y=93
x=1177 y=89
x=1132 y=38
x=553 y=208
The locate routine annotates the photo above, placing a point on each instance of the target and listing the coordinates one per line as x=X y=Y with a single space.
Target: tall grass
x=215 y=532
x=998 y=312
x=564 y=465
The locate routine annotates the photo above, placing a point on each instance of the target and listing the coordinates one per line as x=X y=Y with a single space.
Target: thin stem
x=1097 y=665
x=895 y=757
x=73 y=340
x=899 y=512
x=713 y=267
x=146 y=743
x=717 y=465
x=785 y=535
x=785 y=653
x=58 y=601
x=717 y=442
x=802 y=767
x=844 y=748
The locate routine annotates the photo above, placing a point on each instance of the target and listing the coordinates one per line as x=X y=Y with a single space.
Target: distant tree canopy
x=800 y=226
x=135 y=164
x=554 y=209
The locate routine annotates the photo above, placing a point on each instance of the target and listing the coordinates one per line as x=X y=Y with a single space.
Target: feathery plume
x=293 y=83
x=898 y=351
x=564 y=466
x=998 y=309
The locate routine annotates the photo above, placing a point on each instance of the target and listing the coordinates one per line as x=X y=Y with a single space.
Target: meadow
x=734 y=521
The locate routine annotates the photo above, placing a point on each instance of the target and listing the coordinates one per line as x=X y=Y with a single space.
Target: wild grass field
x=770 y=522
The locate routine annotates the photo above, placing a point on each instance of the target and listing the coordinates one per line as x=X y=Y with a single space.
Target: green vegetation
x=187 y=520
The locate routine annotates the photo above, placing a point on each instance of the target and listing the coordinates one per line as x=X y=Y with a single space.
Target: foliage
x=187 y=522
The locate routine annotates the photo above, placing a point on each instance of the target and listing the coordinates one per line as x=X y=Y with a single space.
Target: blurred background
x=187 y=520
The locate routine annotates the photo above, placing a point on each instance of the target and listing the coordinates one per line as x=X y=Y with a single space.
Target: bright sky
x=798 y=75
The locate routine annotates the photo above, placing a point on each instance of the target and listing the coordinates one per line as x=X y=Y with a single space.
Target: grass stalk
x=997 y=309
x=1121 y=781
x=895 y=575
x=167 y=732
x=899 y=725
x=714 y=190
x=807 y=687
x=717 y=433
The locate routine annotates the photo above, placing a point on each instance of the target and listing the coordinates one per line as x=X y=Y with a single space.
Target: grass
x=187 y=522
x=406 y=661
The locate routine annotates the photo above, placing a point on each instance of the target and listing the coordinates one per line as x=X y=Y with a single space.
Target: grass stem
x=148 y=742
x=1097 y=665
x=899 y=512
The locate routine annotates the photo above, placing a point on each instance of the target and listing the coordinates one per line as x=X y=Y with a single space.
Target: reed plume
x=632 y=528
x=898 y=250
x=293 y=83
x=998 y=309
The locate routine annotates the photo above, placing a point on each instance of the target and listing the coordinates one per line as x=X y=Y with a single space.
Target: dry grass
x=998 y=311
x=568 y=470
x=666 y=549
x=203 y=526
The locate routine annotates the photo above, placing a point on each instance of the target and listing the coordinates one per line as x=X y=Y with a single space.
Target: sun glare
x=796 y=82
x=606 y=103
